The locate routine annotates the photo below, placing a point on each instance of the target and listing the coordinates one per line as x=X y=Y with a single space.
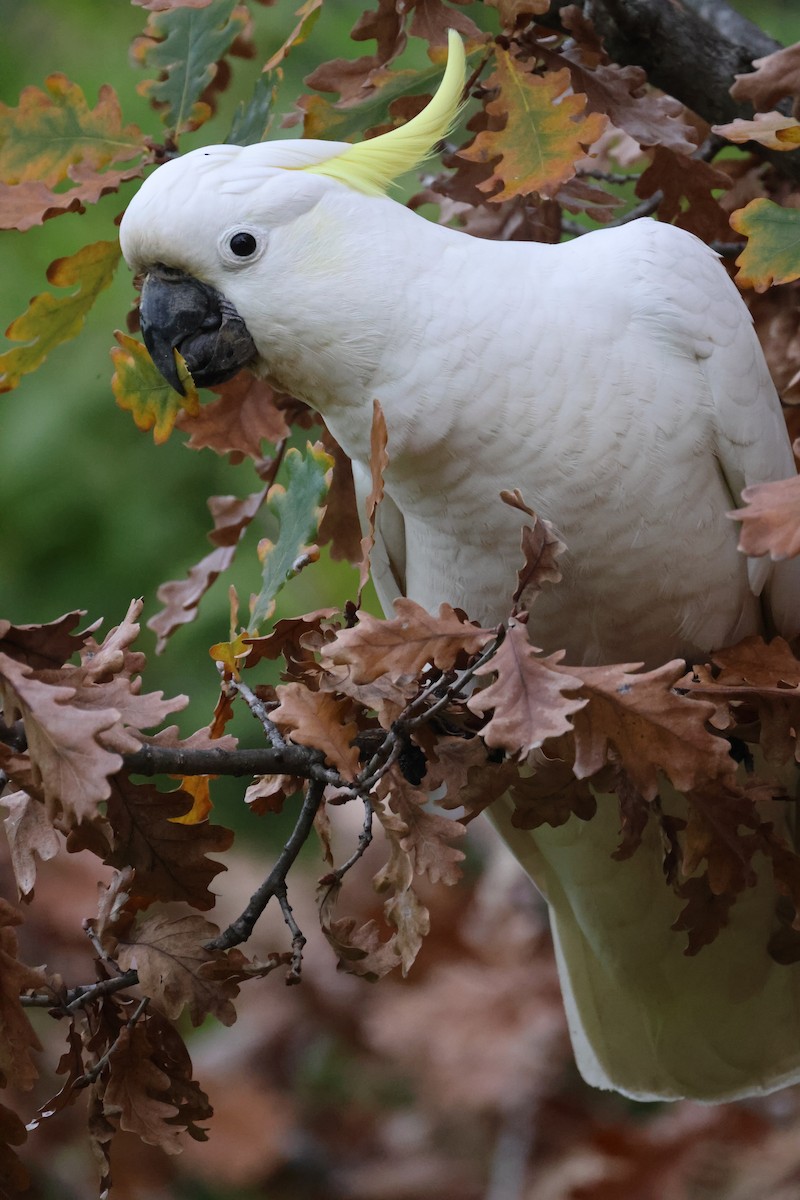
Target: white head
x=212 y=232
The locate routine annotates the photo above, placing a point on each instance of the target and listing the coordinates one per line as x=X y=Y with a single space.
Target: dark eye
x=243 y=244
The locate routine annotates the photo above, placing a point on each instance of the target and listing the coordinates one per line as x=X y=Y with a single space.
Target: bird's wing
x=752 y=444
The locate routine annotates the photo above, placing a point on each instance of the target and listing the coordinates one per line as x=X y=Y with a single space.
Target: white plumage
x=617 y=381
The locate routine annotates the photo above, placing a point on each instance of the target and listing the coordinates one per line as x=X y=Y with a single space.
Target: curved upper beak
x=179 y=312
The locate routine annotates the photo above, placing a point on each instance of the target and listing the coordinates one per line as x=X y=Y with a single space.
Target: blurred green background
x=93 y=513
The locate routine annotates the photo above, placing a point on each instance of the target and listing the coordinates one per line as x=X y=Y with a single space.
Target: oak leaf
x=622 y=93
x=183 y=46
x=771 y=515
x=650 y=727
x=428 y=835
x=527 y=698
x=168 y=952
x=30 y=834
x=405 y=643
x=54 y=129
x=44 y=647
x=243 y=415
x=772 y=253
x=550 y=794
x=541 y=546
x=134 y=1089
x=298 y=507
x=472 y=781
x=308 y=14
x=340 y=526
x=66 y=742
x=774 y=130
x=776 y=75
x=687 y=185
x=268 y=793
x=17 y=1039
x=360 y=950
x=321 y=721
x=102 y=661
x=140 y=388
x=50 y=320
x=704 y=914
x=170 y=858
x=545 y=132
x=12 y=1133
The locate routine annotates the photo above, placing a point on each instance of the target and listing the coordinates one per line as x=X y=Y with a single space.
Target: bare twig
x=275 y=883
x=80 y=996
x=364 y=840
x=260 y=711
x=288 y=760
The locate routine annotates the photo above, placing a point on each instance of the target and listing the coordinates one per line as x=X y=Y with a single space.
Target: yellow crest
x=371 y=166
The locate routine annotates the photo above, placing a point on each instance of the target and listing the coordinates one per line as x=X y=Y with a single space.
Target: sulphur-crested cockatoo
x=617 y=381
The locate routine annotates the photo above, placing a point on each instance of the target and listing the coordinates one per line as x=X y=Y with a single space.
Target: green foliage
x=772 y=253
x=184 y=46
x=51 y=320
x=297 y=507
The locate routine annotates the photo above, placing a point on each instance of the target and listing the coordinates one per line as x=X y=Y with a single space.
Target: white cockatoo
x=617 y=381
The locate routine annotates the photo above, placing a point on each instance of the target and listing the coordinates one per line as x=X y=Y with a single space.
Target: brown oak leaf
x=43 y=647
x=65 y=741
x=651 y=728
x=170 y=858
x=541 y=546
x=776 y=75
x=428 y=837
x=527 y=698
x=770 y=518
x=404 y=644
x=29 y=834
x=168 y=953
x=244 y=415
x=17 y=1039
x=319 y=720
x=550 y=795
x=703 y=915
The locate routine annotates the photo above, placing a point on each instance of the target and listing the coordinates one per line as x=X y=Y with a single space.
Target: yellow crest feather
x=371 y=166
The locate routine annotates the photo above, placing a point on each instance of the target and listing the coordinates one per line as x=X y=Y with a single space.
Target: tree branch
x=275 y=885
x=289 y=759
x=691 y=50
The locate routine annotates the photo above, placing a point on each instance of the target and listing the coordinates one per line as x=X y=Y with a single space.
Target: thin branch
x=80 y=996
x=275 y=883
x=259 y=710
x=364 y=841
x=269 y=760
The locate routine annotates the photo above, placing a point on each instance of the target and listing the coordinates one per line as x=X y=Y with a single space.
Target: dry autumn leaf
x=320 y=720
x=403 y=645
x=650 y=726
x=527 y=698
x=545 y=132
x=771 y=517
x=168 y=953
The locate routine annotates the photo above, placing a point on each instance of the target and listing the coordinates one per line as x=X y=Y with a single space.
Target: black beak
x=180 y=312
